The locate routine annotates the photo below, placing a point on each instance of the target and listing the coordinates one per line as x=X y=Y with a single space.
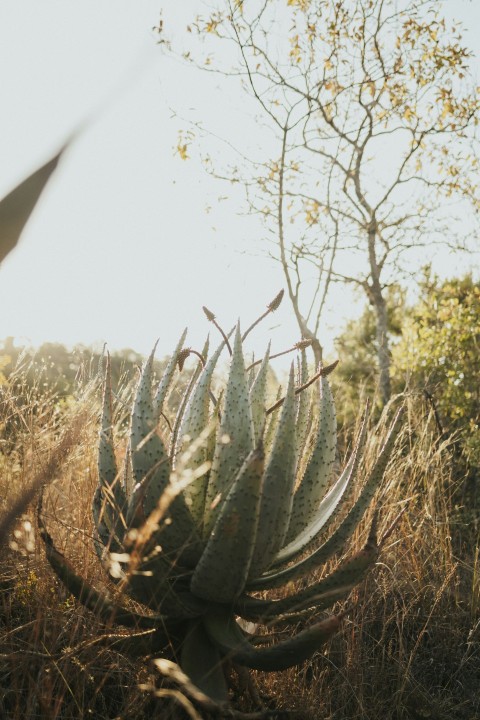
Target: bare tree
x=371 y=105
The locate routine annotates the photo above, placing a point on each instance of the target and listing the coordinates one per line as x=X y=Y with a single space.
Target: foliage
x=341 y=86
x=50 y=375
x=219 y=506
x=439 y=352
x=357 y=373
x=408 y=648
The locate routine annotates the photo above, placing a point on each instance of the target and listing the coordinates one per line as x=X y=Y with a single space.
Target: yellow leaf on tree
x=447 y=109
x=301 y=4
x=182 y=151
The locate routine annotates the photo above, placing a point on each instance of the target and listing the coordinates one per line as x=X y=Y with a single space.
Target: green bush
x=439 y=354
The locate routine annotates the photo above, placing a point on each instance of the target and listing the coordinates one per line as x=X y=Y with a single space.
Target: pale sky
x=121 y=248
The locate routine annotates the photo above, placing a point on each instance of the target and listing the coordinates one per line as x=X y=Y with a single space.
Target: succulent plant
x=230 y=498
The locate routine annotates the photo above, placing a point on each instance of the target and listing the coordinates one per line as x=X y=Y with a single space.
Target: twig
x=323 y=372
x=271 y=307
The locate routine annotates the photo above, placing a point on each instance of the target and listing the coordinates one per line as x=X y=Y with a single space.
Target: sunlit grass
x=410 y=644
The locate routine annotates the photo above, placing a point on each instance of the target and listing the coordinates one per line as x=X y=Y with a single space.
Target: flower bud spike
x=323 y=372
x=211 y=318
x=275 y=304
x=184 y=354
x=300 y=345
x=271 y=307
x=181 y=357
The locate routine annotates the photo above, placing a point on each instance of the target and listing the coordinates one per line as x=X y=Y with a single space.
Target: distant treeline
x=59 y=370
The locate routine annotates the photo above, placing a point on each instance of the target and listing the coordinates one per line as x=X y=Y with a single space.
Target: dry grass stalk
x=409 y=649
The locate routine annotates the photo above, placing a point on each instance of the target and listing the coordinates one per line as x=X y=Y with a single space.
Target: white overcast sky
x=121 y=248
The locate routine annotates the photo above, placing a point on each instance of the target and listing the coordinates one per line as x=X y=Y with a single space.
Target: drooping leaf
x=228 y=637
x=329 y=506
x=345 y=530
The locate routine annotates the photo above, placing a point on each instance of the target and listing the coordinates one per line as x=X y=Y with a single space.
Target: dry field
x=409 y=648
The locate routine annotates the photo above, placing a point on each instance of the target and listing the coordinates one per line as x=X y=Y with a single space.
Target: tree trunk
x=292 y=294
x=375 y=293
x=383 y=349
x=309 y=335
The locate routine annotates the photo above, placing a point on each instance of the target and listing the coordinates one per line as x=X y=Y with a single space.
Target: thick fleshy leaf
x=278 y=487
x=234 y=438
x=89 y=597
x=272 y=423
x=167 y=378
x=329 y=507
x=151 y=470
x=194 y=421
x=257 y=396
x=231 y=641
x=222 y=571
x=320 y=595
x=17 y=206
x=319 y=468
x=181 y=410
x=150 y=461
x=128 y=482
x=147 y=449
x=345 y=530
x=105 y=524
x=303 y=408
x=257 y=610
x=202 y=662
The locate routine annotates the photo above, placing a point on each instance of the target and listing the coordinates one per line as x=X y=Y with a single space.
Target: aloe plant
x=230 y=498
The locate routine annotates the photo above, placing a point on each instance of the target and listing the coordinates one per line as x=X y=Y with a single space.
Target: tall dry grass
x=410 y=647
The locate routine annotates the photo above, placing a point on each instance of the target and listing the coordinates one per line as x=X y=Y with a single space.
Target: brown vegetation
x=410 y=647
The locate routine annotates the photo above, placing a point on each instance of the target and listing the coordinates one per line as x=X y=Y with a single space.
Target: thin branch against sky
x=124 y=234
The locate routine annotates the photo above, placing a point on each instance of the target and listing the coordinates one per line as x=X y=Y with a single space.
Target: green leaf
x=257 y=397
x=223 y=568
x=303 y=421
x=166 y=379
x=324 y=593
x=194 y=421
x=319 y=468
x=226 y=634
x=150 y=461
x=278 y=487
x=151 y=470
x=329 y=507
x=201 y=660
x=234 y=437
x=346 y=528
